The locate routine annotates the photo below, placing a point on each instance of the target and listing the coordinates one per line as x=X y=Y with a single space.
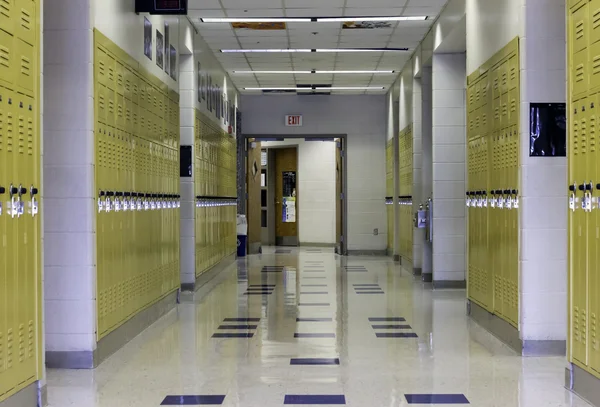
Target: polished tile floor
x=303 y=326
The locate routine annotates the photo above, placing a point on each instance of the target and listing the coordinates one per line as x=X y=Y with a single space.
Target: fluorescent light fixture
x=247 y=51
x=307 y=88
x=314 y=72
x=383 y=18
x=256 y=20
x=301 y=50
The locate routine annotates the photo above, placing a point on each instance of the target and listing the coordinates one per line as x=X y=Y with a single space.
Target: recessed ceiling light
x=383 y=18
x=296 y=50
x=255 y=20
x=314 y=72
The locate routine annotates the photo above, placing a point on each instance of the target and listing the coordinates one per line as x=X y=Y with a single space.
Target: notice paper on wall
x=289 y=209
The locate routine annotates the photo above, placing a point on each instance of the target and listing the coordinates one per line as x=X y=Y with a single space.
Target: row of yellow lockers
x=406 y=228
x=584 y=48
x=20 y=268
x=405 y=155
x=128 y=163
x=216 y=236
x=389 y=190
x=216 y=159
x=493 y=172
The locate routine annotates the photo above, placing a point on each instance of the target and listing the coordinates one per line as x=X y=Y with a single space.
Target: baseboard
x=449 y=284
x=397 y=258
x=254 y=248
x=27 y=397
x=310 y=244
x=584 y=384
x=367 y=252
x=115 y=340
x=389 y=252
x=510 y=335
x=417 y=271
x=427 y=277
x=209 y=274
x=43 y=396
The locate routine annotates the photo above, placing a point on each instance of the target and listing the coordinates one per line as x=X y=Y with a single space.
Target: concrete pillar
x=449 y=169
x=187 y=105
x=68 y=187
x=427 y=163
x=418 y=197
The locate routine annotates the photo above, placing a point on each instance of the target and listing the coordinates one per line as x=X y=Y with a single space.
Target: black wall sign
x=185 y=162
x=173 y=7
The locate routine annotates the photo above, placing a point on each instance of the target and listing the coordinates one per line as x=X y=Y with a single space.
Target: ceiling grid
x=313 y=35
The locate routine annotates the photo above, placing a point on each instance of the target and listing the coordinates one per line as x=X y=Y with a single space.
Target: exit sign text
x=293 y=120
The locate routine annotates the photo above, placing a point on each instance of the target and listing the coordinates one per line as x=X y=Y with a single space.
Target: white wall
x=316 y=189
x=364 y=119
x=491 y=25
x=449 y=166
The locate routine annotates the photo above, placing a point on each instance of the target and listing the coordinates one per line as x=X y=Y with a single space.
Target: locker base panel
x=449 y=284
x=28 y=397
x=312 y=244
x=427 y=277
x=254 y=248
x=286 y=241
x=510 y=335
x=114 y=340
x=417 y=271
x=367 y=252
x=44 y=396
x=389 y=252
x=397 y=258
x=584 y=384
x=209 y=274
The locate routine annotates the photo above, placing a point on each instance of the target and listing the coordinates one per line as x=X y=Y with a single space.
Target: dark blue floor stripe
x=314 y=361
x=313 y=335
x=314 y=319
x=391 y=327
x=436 y=399
x=233 y=335
x=262 y=286
x=365 y=285
x=313 y=304
x=238 y=326
x=366 y=288
x=313 y=285
x=370 y=292
x=357 y=271
x=396 y=335
x=241 y=320
x=314 y=399
x=314 y=292
x=259 y=293
x=192 y=400
x=387 y=319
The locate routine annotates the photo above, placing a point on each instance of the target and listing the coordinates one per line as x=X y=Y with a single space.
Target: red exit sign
x=293 y=120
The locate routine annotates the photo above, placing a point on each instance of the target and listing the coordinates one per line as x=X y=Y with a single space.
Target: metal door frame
x=344 y=138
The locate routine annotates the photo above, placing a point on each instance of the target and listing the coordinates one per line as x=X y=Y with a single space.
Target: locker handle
x=118 y=193
x=2 y=190
x=573 y=187
x=110 y=194
x=581 y=187
x=102 y=193
x=514 y=192
x=14 y=190
x=33 y=191
x=506 y=191
x=127 y=193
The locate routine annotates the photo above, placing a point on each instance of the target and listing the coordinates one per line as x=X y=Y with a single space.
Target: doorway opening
x=296 y=189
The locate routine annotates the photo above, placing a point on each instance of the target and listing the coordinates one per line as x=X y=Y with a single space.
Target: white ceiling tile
x=195 y=15
x=203 y=4
x=314 y=12
x=253 y=12
x=375 y=3
x=373 y=11
x=253 y=4
x=422 y=11
x=314 y=3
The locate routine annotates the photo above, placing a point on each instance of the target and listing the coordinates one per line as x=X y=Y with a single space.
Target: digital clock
x=178 y=7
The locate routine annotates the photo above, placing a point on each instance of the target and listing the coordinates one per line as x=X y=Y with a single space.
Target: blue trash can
x=241 y=245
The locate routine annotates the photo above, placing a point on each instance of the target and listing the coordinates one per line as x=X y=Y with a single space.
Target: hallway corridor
x=304 y=326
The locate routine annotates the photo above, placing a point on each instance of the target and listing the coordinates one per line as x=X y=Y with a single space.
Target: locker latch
x=515 y=193
x=573 y=197
x=153 y=202
x=108 y=206
x=468 y=199
x=33 y=204
x=146 y=202
x=126 y=201
x=139 y=202
x=509 y=199
x=170 y=202
x=2 y=192
x=101 y=201
x=118 y=201
x=501 y=199
x=493 y=199
x=586 y=204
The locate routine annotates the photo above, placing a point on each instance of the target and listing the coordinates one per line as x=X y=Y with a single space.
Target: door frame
x=344 y=137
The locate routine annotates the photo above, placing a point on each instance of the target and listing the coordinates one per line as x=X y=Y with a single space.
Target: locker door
x=594 y=66
x=119 y=111
x=111 y=111
x=7 y=10
x=579 y=236
x=7 y=56
x=120 y=78
x=580 y=35
x=101 y=104
x=593 y=238
x=101 y=66
x=594 y=21
x=513 y=72
x=25 y=67
x=26 y=23
x=513 y=107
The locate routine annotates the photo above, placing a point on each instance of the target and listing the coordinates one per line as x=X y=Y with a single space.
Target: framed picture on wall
x=148 y=38
x=204 y=83
x=209 y=103
x=160 y=48
x=217 y=101
x=166 y=50
x=173 y=62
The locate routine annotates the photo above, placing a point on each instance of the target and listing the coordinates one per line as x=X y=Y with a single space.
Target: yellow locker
x=26 y=77
x=7 y=56
x=26 y=21
x=7 y=21
x=594 y=66
x=594 y=21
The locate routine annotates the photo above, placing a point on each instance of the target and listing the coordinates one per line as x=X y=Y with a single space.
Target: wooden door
x=253 y=175
x=339 y=197
x=286 y=197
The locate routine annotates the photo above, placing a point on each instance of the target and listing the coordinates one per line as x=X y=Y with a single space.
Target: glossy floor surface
x=272 y=329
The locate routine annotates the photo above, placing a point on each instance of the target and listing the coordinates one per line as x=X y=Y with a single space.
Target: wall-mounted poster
x=166 y=51
x=209 y=96
x=160 y=48
x=218 y=101
x=148 y=38
x=173 y=62
x=204 y=84
x=199 y=84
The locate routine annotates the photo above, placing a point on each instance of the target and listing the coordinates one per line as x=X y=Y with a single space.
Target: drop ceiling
x=313 y=35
